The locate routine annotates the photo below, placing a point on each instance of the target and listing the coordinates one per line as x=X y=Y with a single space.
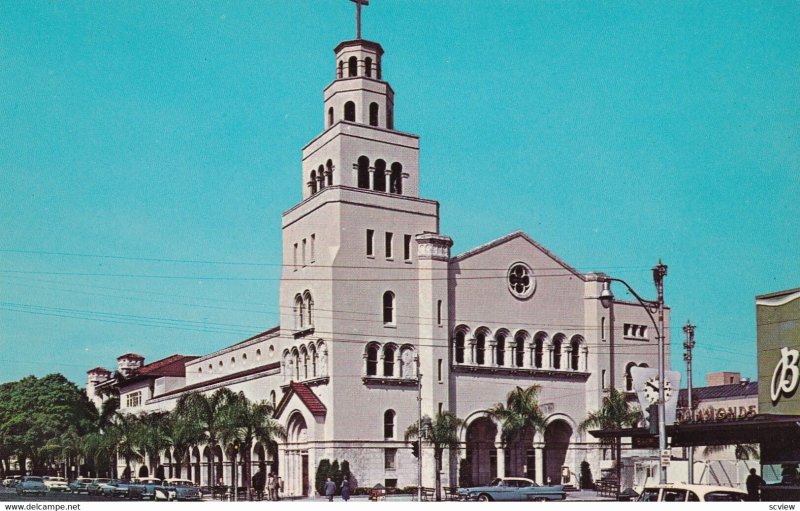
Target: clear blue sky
x=166 y=133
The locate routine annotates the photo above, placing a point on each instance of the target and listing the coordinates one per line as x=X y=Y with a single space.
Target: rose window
x=520 y=280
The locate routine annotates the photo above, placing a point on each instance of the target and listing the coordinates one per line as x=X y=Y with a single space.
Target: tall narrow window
x=372 y=360
x=519 y=350
x=460 y=342
x=575 y=354
x=273 y=398
x=390 y=459
x=340 y=73
x=312 y=183
x=329 y=172
x=388 y=424
x=603 y=383
x=379 y=177
x=309 y=303
x=363 y=172
x=603 y=328
x=299 y=312
x=370 y=243
x=538 y=351
x=294 y=257
x=407 y=247
x=396 y=181
x=350 y=111
x=352 y=66
x=388 y=308
x=557 y=353
x=501 y=350
x=438 y=312
x=330 y=117
x=389 y=240
x=373 y=114
x=388 y=361
x=304 y=252
x=313 y=249
x=368 y=67
x=439 y=370
x=321 y=177
x=480 y=347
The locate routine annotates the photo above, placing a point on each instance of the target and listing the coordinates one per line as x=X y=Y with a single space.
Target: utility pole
x=419 y=430
x=659 y=272
x=688 y=345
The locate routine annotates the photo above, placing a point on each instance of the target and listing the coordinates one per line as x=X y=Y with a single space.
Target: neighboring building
x=723 y=378
x=369 y=288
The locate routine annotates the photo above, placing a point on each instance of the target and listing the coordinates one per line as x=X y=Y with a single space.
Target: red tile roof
x=207 y=383
x=170 y=366
x=98 y=370
x=130 y=355
x=306 y=395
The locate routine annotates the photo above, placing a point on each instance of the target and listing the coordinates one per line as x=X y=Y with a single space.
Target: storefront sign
x=711 y=414
x=786 y=375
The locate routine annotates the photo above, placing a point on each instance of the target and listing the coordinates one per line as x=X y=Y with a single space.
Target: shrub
x=465 y=473
x=323 y=471
x=586 y=476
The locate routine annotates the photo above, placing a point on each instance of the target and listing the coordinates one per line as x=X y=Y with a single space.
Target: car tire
x=484 y=498
x=539 y=499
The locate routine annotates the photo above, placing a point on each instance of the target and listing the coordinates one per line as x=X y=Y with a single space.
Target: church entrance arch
x=557 y=436
x=297 y=468
x=481 y=450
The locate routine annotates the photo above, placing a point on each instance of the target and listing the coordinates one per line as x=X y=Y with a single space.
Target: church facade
x=377 y=313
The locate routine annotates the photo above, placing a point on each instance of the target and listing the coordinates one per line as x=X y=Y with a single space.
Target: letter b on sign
x=786 y=375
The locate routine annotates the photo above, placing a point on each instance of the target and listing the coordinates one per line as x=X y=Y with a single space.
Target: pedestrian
x=345 y=490
x=273 y=489
x=753 y=483
x=270 y=485
x=330 y=489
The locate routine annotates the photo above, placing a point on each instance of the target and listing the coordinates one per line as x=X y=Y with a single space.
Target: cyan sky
x=614 y=133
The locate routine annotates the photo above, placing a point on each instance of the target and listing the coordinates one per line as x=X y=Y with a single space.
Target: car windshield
x=34 y=479
x=103 y=481
x=649 y=495
x=724 y=496
x=57 y=479
x=496 y=482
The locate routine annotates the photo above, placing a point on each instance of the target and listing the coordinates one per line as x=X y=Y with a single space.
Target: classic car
x=150 y=488
x=11 y=482
x=79 y=484
x=55 y=483
x=93 y=488
x=512 y=488
x=184 y=489
x=31 y=484
x=676 y=492
x=114 y=488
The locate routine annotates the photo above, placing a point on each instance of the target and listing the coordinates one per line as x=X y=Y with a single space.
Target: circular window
x=521 y=282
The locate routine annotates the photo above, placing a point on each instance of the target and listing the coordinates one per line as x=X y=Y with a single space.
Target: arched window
x=388 y=424
x=500 y=349
x=309 y=306
x=519 y=349
x=363 y=172
x=368 y=66
x=296 y=361
x=480 y=348
x=574 y=361
x=273 y=398
x=321 y=177
x=350 y=111
x=628 y=377
x=312 y=355
x=460 y=344
x=396 y=183
x=304 y=357
x=388 y=308
x=312 y=184
x=538 y=351
x=380 y=175
x=329 y=172
x=373 y=114
x=352 y=66
x=388 y=360
x=340 y=73
x=299 y=313
x=557 y=352
x=372 y=360
x=330 y=117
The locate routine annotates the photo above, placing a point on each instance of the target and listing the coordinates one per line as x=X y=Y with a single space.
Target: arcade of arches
x=527 y=456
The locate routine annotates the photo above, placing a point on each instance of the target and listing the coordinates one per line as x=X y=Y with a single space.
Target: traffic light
x=415 y=448
x=652 y=419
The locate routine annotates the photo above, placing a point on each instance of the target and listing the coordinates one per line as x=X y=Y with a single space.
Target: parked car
x=31 y=484
x=184 y=489
x=512 y=488
x=55 y=483
x=93 y=488
x=79 y=484
x=677 y=492
x=11 y=482
x=114 y=488
x=151 y=488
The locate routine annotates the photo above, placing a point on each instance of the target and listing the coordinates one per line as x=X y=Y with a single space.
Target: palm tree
x=442 y=434
x=207 y=413
x=520 y=416
x=152 y=436
x=122 y=440
x=70 y=442
x=615 y=413
x=742 y=452
x=181 y=433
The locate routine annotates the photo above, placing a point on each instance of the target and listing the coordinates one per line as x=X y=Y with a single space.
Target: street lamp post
x=688 y=345
x=419 y=430
x=650 y=306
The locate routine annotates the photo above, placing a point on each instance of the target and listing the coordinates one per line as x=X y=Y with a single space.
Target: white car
x=678 y=492
x=54 y=483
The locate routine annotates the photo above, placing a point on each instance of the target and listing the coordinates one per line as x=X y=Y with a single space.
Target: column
x=472 y=343
x=532 y=355
x=585 y=361
x=372 y=178
x=566 y=357
x=539 y=465
x=549 y=362
x=364 y=369
x=493 y=351
x=501 y=461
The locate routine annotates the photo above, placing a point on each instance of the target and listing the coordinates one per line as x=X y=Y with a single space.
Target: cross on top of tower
x=359 y=3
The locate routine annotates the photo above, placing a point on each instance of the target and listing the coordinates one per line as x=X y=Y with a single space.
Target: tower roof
x=377 y=48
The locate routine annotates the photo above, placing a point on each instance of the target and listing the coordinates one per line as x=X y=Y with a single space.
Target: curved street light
x=651 y=307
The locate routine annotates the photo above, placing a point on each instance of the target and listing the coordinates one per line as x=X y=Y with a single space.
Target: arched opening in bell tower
x=373 y=114
x=363 y=172
x=368 y=67
x=380 y=176
x=396 y=182
x=352 y=66
x=350 y=111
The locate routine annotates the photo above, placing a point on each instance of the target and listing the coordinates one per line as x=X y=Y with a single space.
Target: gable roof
x=306 y=395
x=174 y=365
x=220 y=379
x=508 y=237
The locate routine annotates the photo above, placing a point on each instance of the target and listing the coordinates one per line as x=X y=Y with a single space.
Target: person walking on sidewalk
x=345 y=490
x=330 y=489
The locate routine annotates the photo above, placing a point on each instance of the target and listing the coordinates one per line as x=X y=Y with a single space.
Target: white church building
x=369 y=286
